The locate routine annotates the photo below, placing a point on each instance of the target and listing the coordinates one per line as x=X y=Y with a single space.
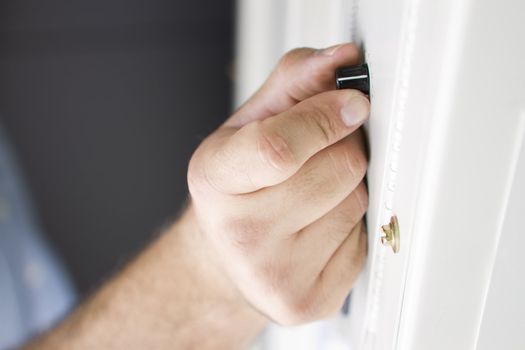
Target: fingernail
x=329 y=51
x=355 y=110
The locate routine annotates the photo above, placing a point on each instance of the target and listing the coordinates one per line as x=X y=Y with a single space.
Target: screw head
x=391 y=236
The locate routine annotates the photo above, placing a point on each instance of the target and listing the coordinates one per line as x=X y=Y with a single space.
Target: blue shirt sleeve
x=34 y=289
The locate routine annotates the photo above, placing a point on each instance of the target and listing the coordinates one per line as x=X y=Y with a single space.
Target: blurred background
x=104 y=102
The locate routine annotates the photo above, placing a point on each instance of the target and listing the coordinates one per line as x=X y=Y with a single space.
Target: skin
x=273 y=230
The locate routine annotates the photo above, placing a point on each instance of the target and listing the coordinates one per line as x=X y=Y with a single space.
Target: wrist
x=222 y=305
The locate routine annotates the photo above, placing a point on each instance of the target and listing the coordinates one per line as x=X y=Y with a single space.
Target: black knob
x=353 y=77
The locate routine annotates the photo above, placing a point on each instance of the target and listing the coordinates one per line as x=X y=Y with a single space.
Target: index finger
x=265 y=153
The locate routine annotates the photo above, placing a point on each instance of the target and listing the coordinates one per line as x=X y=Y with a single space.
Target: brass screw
x=391 y=232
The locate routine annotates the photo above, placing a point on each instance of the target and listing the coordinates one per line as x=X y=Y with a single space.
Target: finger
x=267 y=152
x=317 y=242
x=300 y=74
x=321 y=184
x=336 y=280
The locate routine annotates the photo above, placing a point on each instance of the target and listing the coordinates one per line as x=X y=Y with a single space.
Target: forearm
x=280 y=196
x=172 y=296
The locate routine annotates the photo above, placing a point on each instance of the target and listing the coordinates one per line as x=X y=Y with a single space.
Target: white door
x=447 y=158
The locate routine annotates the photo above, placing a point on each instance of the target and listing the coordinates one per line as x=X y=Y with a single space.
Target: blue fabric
x=34 y=290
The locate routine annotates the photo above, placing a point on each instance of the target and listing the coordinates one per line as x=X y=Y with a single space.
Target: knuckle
x=357 y=253
x=319 y=73
x=354 y=162
x=289 y=305
x=298 y=310
x=329 y=303
x=360 y=257
x=362 y=197
x=338 y=233
x=290 y=58
x=275 y=278
x=196 y=177
x=356 y=261
x=322 y=122
x=246 y=233
x=338 y=169
x=273 y=150
x=345 y=161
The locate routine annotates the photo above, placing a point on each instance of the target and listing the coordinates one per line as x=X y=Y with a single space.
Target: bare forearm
x=169 y=297
x=279 y=198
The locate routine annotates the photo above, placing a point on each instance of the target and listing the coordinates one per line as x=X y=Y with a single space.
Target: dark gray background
x=104 y=101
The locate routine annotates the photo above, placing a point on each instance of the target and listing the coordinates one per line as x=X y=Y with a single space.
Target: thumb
x=300 y=74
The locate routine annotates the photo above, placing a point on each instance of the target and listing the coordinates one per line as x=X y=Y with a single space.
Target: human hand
x=278 y=190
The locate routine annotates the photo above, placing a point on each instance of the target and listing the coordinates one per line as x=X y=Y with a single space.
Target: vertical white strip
x=516 y=153
x=387 y=193
x=259 y=43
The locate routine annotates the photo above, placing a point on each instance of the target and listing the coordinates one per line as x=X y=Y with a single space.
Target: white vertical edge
x=433 y=154
x=267 y=29
x=316 y=23
x=516 y=153
x=258 y=44
x=375 y=314
x=436 y=159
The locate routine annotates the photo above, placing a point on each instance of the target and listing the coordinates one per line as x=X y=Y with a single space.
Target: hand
x=278 y=190
x=274 y=229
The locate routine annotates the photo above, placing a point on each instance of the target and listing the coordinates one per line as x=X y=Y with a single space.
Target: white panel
x=315 y=23
x=384 y=28
x=266 y=29
x=447 y=91
x=475 y=135
x=503 y=325
x=452 y=139
x=259 y=43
